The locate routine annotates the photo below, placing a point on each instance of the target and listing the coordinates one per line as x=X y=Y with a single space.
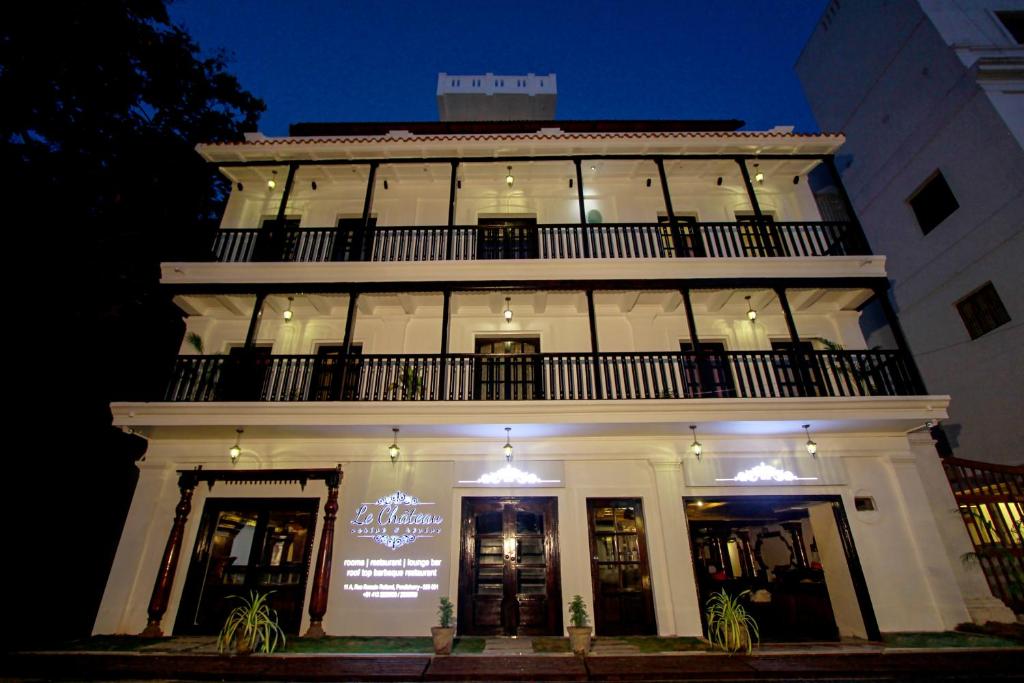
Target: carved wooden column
x=172 y=551
x=796 y=532
x=322 y=571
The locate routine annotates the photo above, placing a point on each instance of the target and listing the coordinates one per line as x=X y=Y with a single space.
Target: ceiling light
x=508 y=444
x=236 y=450
x=272 y=183
x=696 y=447
x=509 y=179
x=812 y=448
x=751 y=313
x=393 y=450
x=288 y=311
x=508 y=310
x=758 y=174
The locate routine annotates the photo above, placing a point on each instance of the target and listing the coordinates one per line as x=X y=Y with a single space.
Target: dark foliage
x=102 y=106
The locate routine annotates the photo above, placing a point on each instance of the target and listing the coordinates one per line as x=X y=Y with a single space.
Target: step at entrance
x=508 y=646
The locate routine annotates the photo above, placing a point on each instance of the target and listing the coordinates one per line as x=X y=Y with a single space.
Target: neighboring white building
x=496 y=338
x=930 y=96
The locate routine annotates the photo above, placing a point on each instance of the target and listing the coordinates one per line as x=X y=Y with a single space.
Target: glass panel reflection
x=529 y=523
x=605 y=548
x=488 y=523
x=625 y=519
x=631 y=580
x=629 y=549
x=608 y=577
x=604 y=519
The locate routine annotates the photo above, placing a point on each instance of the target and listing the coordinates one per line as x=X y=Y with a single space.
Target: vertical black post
x=289 y=181
x=595 y=349
x=858 y=241
x=442 y=374
x=796 y=353
x=449 y=245
x=760 y=229
x=365 y=235
x=274 y=238
x=584 y=232
x=345 y=364
x=704 y=376
x=677 y=239
x=254 y=321
x=882 y=295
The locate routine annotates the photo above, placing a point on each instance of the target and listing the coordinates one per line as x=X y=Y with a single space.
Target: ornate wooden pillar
x=796 y=532
x=172 y=551
x=324 y=554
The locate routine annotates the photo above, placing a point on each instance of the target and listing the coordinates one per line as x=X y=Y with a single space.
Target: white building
x=930 y=96
x=540 y=311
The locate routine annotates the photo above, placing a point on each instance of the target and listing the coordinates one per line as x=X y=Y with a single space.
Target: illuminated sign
x=509 y=475
x=395 y=520
x=763 y=472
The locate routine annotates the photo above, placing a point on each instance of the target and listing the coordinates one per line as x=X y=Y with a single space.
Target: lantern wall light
x=393 y=450
x=696 y=447
x=236 y=451
x=811 y=446
x=508 y=310
x=508 y=444
x=288 y=315
x=751 y=313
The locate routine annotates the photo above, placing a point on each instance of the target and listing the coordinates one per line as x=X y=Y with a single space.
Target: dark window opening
x=933 y=202
x=1014 y=23
x=982 y=311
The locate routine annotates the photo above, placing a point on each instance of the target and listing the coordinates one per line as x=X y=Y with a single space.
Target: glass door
x=623 y=601
x=508 y=369
x=508 y=580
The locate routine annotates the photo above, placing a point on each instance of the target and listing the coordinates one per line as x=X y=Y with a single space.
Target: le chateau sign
x=396 y=520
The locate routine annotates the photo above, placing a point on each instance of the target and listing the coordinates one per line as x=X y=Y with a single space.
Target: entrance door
x=508 y=369
x=507 y=238
x=619 y=569
x=243 y=545
x=245 y=373
x=788 y=377
x=326 y=379
x=509 y=575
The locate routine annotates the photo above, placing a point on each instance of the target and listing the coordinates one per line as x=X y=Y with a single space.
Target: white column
x=683 y=602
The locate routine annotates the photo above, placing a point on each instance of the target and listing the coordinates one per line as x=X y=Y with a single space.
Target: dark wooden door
x=619 y=568
x=245 y=545
x=718 y=375
x=509 y=573
x=330 y=381
x=758 y=238
x=508 y=369
x=245 y=373
x=353 y=242
x=796 y=373
x=507 y=238
x=278 y=241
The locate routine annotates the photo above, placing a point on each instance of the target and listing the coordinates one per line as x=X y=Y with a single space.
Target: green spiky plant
x=444 y=613
x=410 y=383
x=578 y=612
x=195 y=341
x=730 y=627
x=252 y=626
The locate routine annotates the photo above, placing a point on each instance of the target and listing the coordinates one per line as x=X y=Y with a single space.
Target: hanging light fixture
x=758 y=174
x=393 y=450
x=288 y=311
x=509 y=179
x=751 y=313
x=236 y=451
x=271 y=184
x=812 y=448
x=508 y=444
x=696 y=447
x=508 y=310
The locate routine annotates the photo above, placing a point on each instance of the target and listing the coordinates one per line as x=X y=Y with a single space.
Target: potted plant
x=443 y=634
x=579 y=632
x=730 y=626
x=409 y=384
x=251 y=627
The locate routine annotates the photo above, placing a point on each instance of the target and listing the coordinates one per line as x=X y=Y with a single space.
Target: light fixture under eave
x=271 y=184
x=393 y=450
x=508 y=444
x=288 y=315
x=236 y=451
x=751 y=313
x=758 y=174
x=510 y=179
x=508 y=310
x=812 y=448
x=696 y=447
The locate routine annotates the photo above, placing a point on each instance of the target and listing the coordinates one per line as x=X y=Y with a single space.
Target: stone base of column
x=152 y=630
x=984 y=609
x=315 y=630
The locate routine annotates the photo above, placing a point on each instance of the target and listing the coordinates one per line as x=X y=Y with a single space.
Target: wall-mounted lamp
x=240 y=186
x=719 y=181
x=570 y=183
x=812 y=448
x=648 y=182
x=385 y=183
x=509 y=179
x=796 y=180
x=271 y=184
x=312 y=184
x=758 y=174
x=458 y=183
x=508 y=310
x=751 y=313
x=594 y=169
x=236 y=451
x=508 y=444
x=287 y=315
x=393 y=450
x=696 y=447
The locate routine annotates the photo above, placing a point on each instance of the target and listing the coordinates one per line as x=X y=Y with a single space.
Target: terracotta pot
x=242 y=645
x=443 y=638
x=579 y=638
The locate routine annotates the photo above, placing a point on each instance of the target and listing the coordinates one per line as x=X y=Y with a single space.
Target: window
x=982 y=311
x=933 y=202
x=1013 y=21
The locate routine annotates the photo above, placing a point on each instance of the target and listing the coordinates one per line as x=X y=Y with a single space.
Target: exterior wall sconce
x=696 y=447
x=509 y=179
x=385 y=183
x=758 y=175
x=240 y=186
x=719 y=181
x=796 y=180
x=594 y=169
x=313 y=185
x=288 y=315
x=751 y=313
x=648 y=182
x=271 y=184
x=812 y=448
x=508 y=310
x=236 y=451
x=508 y=444
x=570 y=183
x=393 y=450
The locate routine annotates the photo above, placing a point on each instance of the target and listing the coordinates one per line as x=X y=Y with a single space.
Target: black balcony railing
x=568 y=241
x=545 y=376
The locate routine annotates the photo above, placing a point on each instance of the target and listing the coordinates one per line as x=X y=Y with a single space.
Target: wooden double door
x=509 y=571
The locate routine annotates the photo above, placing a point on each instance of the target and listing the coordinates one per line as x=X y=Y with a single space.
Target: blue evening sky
x=378 y=60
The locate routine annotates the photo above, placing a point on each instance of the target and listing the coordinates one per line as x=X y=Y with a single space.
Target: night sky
x=378 y=61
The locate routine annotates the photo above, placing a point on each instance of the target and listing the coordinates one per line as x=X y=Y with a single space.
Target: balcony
x=393 y=244
x=543 y=376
